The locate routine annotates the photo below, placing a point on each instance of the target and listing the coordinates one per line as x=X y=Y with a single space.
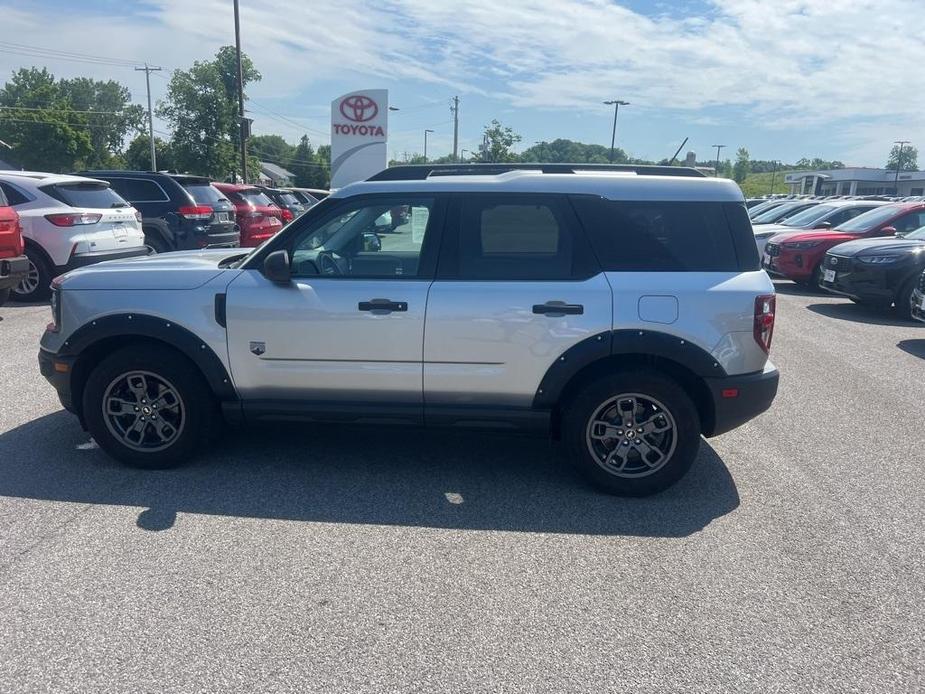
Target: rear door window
x=97 y=196
x=139 y=190
x=668 y=236
x=519 y=238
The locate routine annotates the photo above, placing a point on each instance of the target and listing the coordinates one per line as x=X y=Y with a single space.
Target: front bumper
x=84 y=259
x=864 y=281
x=790 y=264
x=57 y=371
x=737 y=399
x=13 y=270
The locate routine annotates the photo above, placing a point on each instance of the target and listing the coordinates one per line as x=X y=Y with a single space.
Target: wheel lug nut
x=136 y=409
x=637 y=442
x=639 y=430
x=626 y=442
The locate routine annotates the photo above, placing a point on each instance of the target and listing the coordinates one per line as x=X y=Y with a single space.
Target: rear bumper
x=85 y=259
x=737 y=399
x=13 y=270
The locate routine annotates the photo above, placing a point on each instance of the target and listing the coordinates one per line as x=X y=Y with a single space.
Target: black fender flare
x=134 y=325
x=649 y=343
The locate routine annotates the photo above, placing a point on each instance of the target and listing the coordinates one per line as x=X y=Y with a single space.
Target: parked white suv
x=68 y=222
x=621 y=310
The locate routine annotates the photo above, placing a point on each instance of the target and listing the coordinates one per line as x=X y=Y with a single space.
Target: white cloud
x=793 y=63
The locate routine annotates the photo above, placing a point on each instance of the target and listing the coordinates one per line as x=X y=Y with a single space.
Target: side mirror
x=824 y=225
x=276 y=267
x=371 y=242
x=888 y=231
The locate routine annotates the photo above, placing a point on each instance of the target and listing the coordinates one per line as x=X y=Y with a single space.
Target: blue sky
x=789 y=79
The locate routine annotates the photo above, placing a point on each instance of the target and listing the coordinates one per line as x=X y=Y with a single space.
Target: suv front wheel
x=148 y=407
x=634 y=433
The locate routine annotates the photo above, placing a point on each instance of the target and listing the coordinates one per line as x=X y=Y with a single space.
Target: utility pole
x=148 y=70
x=241 y=124
x=616 y=103
x=899 y=164
x=773 y=175
x=425 y=143
x=716 y=170
x=455 y=109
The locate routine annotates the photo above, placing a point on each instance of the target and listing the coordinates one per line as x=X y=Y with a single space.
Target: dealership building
x=856 y=181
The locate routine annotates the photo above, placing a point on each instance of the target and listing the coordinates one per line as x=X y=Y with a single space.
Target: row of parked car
x=69 y=221
x=871 y=251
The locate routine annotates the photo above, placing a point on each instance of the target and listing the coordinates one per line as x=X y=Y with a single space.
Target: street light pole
x=716 y=170
x=425 y=143
x=241 y=127
x=899 y=164
x=148 y=70
x=616 y=103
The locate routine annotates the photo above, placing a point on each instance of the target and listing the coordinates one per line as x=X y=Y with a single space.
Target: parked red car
x=257 y=216
x=799 y=256
x=14 y=266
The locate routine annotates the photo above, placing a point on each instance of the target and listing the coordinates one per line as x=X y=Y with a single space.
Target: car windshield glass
x=256 y=198
x=777 y=213
x=96 y=196
x=918 y=234
x=868 y=220
x=203 y=192
x=763 y=207
x=810 y=216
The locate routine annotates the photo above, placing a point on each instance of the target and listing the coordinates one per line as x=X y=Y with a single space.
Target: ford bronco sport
x=620 y=309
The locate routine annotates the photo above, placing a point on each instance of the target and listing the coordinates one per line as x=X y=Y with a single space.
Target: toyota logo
x=358 y=108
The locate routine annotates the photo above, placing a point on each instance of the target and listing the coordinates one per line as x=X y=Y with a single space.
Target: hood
x=768 y=230
x=887 y=245
x=831 y=237
x=181 y=270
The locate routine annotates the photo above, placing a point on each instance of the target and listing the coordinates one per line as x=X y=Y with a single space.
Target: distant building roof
x=275 y=172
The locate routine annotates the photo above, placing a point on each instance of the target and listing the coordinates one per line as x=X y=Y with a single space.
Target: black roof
x=419 y=172
x=141 y=174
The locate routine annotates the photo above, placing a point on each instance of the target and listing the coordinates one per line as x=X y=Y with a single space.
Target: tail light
x=73 y=219
x=287 y=215
x=765 y=307
x=199 y=212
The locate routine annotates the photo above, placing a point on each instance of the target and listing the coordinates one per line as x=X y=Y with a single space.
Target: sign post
x=359 y=135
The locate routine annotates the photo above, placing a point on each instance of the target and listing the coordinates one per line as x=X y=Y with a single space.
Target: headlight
x=800 y=245
x=879 y=259
x=55 y=324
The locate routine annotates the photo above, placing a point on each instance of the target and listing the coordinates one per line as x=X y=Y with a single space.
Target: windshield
x=810 y=216
x=97 y=196
x=763 y=207
x=203 y=192
x=779 y=213
x=869 y=220
x=918 y=234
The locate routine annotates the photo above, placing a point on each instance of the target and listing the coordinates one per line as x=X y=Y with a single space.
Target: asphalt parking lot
x=313 y=559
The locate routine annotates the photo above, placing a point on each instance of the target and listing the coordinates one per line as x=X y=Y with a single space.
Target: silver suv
x=622 y=310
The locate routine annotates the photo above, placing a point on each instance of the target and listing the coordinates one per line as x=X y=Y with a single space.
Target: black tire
x=116 y=376
x=37 y=286
x=154 y=241
x=4 y=295
x=638 y=478
x=904 y=298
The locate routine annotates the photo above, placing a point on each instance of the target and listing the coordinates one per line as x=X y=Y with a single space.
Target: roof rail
x=419 y=172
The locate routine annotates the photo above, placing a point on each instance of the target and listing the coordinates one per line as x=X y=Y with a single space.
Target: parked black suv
x=179 y=211
x=879 y=272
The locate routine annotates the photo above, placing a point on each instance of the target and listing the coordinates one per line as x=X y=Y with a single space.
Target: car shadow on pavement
x=862 y=314
x=914 y=347
x=793 y=289
x=361 y=475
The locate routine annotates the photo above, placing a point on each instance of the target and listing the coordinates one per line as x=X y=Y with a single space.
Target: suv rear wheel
x=36 y=285
x=634 y=433
x=148 y=407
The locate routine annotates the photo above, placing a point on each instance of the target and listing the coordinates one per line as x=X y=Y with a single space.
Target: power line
x=40 y=51
x=65 y=110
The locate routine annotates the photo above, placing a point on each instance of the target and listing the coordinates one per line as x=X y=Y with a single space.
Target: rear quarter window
x=667 y=236
x=96 y=196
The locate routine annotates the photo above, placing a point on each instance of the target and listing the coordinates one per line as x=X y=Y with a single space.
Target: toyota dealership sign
x=359 y=135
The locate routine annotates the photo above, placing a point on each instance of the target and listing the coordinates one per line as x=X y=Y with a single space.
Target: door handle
x=554 y=309
x=383 y=305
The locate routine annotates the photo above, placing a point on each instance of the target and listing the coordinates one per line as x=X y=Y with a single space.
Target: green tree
x=499 y=140
x=137 y=155
x=909 y=160
x=741 y=167
x=309 y=170
x=37 y=122
x=117 y=116
x=272 y=148
x=202 y=109
x=569 y=151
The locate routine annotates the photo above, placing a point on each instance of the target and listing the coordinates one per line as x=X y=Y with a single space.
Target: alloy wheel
x=143 y=411
x=631 y=435
x=30 y=282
